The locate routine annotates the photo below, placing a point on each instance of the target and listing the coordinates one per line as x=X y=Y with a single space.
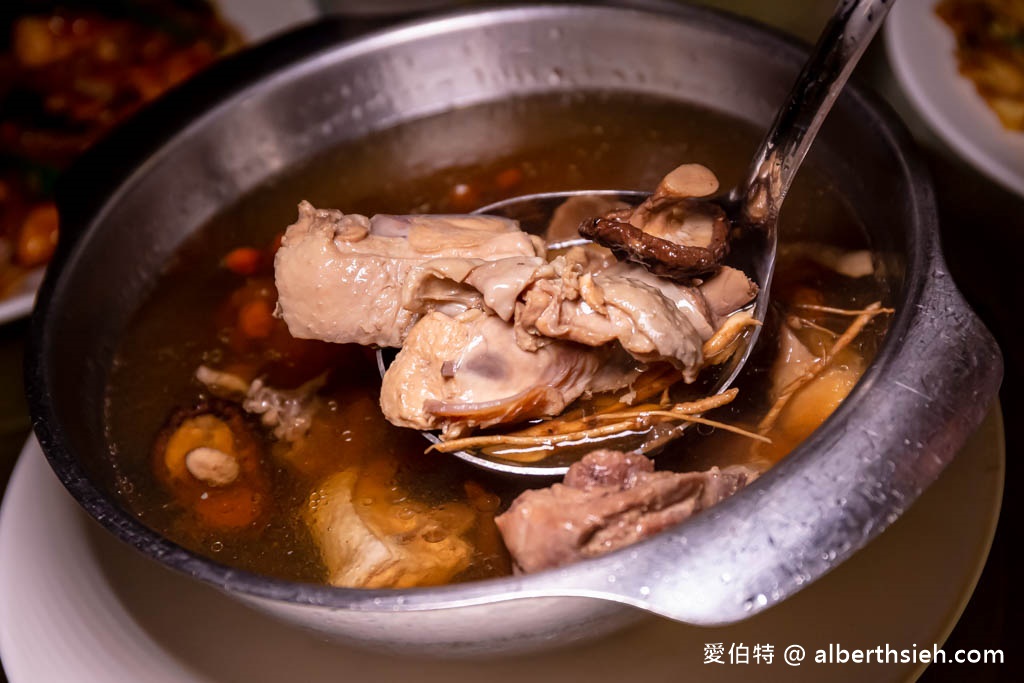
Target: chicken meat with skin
x=468 y=371
x=371 y=522
x=371 y=535
x=615 y=305
x=455 y=285
x=608 y=500
x=675 y=233
x=491 y=331
x=340 y=276
x=583 y=297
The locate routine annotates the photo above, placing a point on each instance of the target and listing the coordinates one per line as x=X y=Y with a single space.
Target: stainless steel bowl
x=137 y=197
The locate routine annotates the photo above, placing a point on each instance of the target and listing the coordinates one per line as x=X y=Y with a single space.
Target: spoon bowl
x=534 y=213
x=750 y=250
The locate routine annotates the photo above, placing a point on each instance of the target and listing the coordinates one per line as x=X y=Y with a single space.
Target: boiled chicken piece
x=288 y=412
x=812 y=397
x=598 y=310
x=340 y=277
x=608 y=500
x=727 y=292
x=468 y=371
x=793 y=361
x=652 y=318
x=580 y=297
x=455 y=285
x=854 y=264
x=369 y=536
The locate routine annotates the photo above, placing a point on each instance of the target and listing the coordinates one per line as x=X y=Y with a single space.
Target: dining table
x=982 y=230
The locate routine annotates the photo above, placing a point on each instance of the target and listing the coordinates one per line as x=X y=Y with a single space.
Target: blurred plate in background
x=922 y=51
x=255 y=20
x=20 y=302
x=258 y=19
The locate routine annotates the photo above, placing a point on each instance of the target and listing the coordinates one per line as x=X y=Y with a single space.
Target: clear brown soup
x=452 y=162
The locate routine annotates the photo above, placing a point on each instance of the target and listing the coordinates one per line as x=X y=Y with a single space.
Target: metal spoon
x=752 y=208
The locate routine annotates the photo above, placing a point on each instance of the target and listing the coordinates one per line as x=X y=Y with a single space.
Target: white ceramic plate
x=77 y=605
x=921 y=50
x=20 y=302
x=258 y=19
x=255 y=20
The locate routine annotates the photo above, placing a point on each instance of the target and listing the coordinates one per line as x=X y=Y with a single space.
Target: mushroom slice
x=212 y=466
x=211 y=463
x=674 y=233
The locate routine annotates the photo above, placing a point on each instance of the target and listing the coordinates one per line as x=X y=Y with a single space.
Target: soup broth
x=450 y=163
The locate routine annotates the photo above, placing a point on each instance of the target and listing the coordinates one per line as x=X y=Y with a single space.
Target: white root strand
x=632 y=419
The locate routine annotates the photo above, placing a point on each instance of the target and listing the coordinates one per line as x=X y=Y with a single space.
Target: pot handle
x=933 y=383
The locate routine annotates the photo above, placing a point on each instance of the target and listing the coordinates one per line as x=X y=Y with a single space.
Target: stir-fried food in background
x=990 y=52
x=69 y=72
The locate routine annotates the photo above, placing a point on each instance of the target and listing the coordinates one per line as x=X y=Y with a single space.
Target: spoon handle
x=839 y=48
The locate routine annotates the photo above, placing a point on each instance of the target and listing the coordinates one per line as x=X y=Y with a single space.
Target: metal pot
x=166 y=173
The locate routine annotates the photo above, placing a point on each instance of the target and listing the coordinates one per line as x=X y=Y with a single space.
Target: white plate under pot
x=921 y=49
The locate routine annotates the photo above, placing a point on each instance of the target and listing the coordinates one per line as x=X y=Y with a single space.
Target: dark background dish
x=69 y=73
x=975 y=265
